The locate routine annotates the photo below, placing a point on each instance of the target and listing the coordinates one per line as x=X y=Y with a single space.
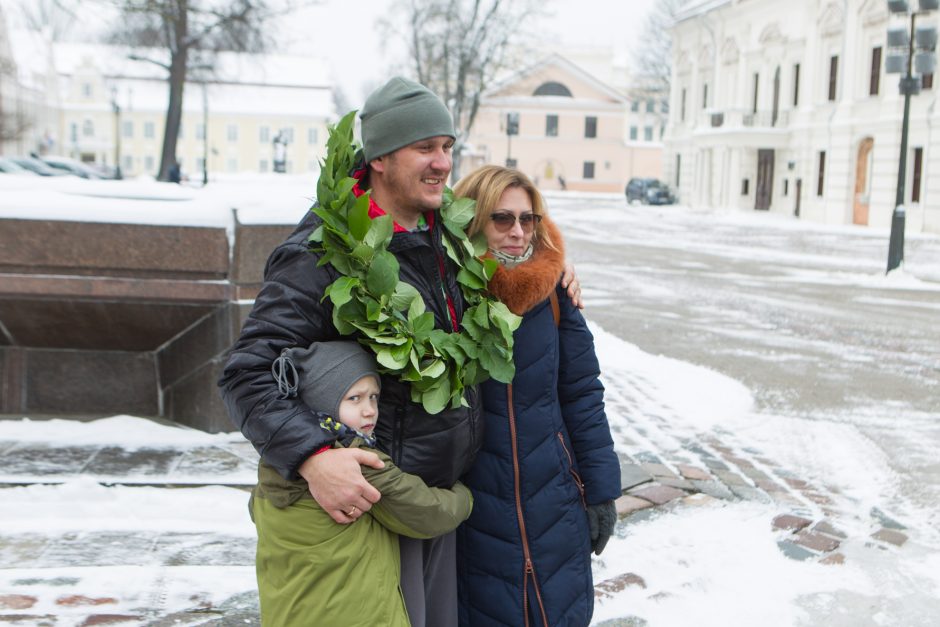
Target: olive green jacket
x=314 y=571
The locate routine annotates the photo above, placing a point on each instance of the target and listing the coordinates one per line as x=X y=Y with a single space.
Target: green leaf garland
x=389 y=314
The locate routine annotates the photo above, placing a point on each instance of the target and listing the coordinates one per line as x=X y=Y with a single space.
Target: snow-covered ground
x=767 y=333
x=784 y=338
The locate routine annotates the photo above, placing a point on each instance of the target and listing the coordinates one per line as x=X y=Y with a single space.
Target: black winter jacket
x=288 y=312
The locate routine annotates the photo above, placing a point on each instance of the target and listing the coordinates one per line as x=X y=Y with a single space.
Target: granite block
x=42 y=460
x=12 y=379
x=632 y=475
x=609 y=587
x=817 y=541
x=195 y=401
x=833 y=559
x=826 y=528
x=658 y=470
x=113 y=461
x=693 y=473
x=90 y=248
x=91 y=382
x=731 y=479
x=253 y=245
x=795 y=552
x=214 y=461
x=18 y=601
x=750 y=494
x=884 y=520
x=715 y=464
x=627 y=505
x=101 y=548
x=22 y=550
x=682 y=484
x=206 y=339
x=658 y=494
x=891 y=536
x=198 y=549
x=790 y=522
x=714 y=489
x=97 y=325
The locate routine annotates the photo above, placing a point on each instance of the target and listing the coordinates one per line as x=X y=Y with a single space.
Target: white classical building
x=786 y=107
x=99 y=105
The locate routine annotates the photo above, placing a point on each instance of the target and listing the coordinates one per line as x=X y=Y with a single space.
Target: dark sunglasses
x=505 y=221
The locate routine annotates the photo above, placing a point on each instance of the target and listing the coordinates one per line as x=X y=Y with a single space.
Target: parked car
x=8 y=166
x=104 y=171
x=37 y=166
x=71 y=166
x=649 y=191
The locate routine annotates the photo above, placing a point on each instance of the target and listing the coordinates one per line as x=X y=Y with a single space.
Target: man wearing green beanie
x=399 y=113
x=407 y=137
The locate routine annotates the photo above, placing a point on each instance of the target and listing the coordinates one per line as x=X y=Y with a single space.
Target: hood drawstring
x=285 y=373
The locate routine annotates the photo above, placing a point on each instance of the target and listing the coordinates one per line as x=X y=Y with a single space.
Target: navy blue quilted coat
x=524 y=553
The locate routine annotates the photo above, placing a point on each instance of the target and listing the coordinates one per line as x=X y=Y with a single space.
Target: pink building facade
x=574 y=131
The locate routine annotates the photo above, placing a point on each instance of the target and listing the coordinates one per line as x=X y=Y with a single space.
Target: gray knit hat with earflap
x=399 y=113
x=322 y=373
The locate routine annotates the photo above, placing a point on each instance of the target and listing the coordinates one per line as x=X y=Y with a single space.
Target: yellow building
x=111 y=107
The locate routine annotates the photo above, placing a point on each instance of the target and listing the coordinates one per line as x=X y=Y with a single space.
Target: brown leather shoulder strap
x=556 y=311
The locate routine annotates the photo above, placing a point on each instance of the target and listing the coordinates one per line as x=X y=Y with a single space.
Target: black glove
x=601 y=520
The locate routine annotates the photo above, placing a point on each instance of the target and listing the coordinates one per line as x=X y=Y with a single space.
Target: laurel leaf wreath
x=388 y=314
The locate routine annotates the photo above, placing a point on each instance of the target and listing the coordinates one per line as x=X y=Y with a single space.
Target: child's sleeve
x=410 y=508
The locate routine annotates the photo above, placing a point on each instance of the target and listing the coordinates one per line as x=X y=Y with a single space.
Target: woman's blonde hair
x=486 y=184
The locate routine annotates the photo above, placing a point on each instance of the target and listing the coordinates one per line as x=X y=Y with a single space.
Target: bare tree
x=168 y=32
x=652 y=56
x=54 y=18
x=458 y=47
x=13 y=123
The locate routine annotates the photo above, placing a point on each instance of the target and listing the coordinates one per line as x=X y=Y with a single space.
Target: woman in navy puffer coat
x=547 y=463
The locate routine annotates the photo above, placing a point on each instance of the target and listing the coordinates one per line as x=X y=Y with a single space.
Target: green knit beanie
x=399 y=113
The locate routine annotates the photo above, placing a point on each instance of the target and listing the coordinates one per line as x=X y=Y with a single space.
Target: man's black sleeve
x=288 y=312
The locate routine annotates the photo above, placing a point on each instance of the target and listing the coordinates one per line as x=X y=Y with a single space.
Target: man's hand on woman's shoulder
x=570 y=281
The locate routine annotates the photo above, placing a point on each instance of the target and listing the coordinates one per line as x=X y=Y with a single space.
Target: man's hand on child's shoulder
x=335 y=481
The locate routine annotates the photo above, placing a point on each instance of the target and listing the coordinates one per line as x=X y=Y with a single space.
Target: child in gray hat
x=310 y=569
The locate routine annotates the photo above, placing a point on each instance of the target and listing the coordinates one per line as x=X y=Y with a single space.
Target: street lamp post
x=512 y=128
x=117 y=133
x=205 y=134
x=903 y=61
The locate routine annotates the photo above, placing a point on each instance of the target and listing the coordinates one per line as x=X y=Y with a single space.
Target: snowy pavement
x=103 y=524
x=778 y=435
x=785 y=342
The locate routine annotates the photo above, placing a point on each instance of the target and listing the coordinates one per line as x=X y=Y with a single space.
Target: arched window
x=552 y=88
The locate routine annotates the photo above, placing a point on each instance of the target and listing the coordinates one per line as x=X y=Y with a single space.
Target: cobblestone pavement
x=663 y=468
x=65 y=567
x=70 y=571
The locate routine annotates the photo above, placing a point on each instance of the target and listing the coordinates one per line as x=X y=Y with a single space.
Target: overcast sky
x=345 y=33
x=351 y=41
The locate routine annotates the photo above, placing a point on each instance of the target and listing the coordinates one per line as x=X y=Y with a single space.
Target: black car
x=649 y=192
x=71 y=166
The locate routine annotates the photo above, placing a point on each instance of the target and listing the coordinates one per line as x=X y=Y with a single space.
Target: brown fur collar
x=529 y=283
